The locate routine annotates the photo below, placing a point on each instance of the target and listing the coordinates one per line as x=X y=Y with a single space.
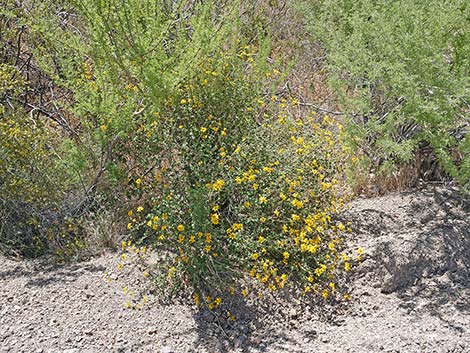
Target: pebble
x=293 y=313
x=152 y=330
x=167 y=349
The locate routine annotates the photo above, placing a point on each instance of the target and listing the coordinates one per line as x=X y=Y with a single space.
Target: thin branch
x=316 y=107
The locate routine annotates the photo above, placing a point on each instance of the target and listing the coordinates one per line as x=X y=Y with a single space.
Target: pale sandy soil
x=411 y=294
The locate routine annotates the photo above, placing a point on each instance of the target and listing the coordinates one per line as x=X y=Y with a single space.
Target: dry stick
x=321 y=109
x=18 y=52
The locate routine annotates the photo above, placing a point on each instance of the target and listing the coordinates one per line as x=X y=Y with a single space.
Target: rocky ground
x=410 y=294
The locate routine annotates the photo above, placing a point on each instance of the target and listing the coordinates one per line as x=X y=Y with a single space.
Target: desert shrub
x=174 y=115
x=32 y=181
x=91 y=62
x=182 y=114
x=401 y=71
x=243 y=188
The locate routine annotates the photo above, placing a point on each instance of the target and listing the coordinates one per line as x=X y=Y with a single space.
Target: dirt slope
x=411 y=294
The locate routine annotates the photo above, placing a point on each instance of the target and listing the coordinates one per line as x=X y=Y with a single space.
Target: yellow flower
x=138 y=182
x=267 y=169
x=180 y=227
x=171 y=271
x=207 y=248
x=295 y=217
x=237 y=226
x=129 y=226
x=262 y=199
x=320 y=270
x=347 y=266
x=255 y=256
x=332 y=286
x=215 y=218
x=140 y=209
x=196 y=299
x=297 y=203
x=247 y=204
x=181 y=238
x=218 y=185
x=341 y=227
x=244 y=292
x=218 y=301
x=325 y=294
x=130 y=213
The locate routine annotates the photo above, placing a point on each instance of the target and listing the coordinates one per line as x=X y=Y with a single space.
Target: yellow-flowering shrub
x=243 y=187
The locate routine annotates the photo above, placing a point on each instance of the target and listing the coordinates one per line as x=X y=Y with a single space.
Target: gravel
x=410 y=294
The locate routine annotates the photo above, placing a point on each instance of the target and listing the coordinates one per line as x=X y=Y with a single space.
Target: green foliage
x=165 y=108
x=242 y=187
x=402 y=69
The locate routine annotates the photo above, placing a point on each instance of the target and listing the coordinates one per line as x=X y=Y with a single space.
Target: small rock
x=294 y=323
x=293 y=313
x=167 y=349
x=152 y=330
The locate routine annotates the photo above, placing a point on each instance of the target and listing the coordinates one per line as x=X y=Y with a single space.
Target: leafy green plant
x=401 y=71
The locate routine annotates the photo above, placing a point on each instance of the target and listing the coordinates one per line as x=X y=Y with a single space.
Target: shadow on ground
x=421 y=252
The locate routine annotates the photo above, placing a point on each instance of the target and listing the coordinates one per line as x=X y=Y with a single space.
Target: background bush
x=401 y=71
